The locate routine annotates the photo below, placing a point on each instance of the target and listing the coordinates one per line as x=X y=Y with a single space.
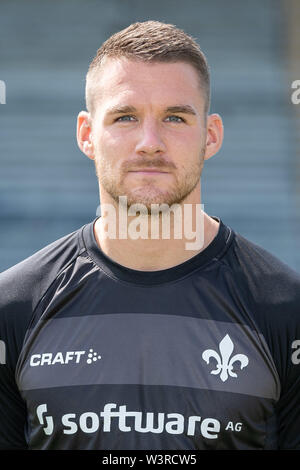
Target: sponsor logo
x=45 y=421
x=61 y=358
x=142 y=422
x=224 y=359
x=89 y=422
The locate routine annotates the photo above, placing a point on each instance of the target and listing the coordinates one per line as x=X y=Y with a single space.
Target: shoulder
x=271 y=281
x=31 y=276
x=24 y=284
x=272 y=290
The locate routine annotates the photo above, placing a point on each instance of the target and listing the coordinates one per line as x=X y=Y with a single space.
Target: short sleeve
x=288 y=406
x=12 y=406
x=12 y=412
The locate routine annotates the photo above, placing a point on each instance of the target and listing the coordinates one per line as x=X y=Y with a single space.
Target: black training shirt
x=203 y=355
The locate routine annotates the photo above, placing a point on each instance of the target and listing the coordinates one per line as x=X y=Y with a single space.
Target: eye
x=126 y=118
x=174 y=118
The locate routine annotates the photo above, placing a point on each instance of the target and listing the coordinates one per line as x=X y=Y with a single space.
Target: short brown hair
x=151 y=41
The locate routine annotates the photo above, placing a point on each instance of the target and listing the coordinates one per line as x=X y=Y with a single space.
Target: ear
x=84 y=135
x=215 y=134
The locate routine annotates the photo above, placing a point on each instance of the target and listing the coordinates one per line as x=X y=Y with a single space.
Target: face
x=148 y=134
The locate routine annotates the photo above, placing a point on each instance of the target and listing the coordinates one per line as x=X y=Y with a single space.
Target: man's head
x=147 y=94
x=149 y=42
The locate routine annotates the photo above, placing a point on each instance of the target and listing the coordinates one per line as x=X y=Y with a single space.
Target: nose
x=150 y=141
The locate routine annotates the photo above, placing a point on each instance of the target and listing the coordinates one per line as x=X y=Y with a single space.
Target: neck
x=151 y=242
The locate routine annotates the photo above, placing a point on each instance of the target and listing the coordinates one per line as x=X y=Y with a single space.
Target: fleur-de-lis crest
x=225 y=360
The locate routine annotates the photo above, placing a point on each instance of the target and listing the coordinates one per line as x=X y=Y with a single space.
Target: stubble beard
x=149 y=193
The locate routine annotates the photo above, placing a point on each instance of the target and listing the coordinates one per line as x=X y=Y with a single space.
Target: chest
x=121 y=378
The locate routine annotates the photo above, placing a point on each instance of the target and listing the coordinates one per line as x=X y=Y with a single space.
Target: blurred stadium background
x=48 y=188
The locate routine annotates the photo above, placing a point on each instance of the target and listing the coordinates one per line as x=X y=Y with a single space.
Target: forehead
x=155 y=82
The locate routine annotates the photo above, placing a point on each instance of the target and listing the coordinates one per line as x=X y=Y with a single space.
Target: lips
x=148 y=170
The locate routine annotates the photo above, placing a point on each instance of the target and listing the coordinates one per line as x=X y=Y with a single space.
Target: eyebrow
x=121 y=110
x=183 y=109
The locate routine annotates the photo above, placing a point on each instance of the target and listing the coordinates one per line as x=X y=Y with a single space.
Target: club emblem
x=225 y=360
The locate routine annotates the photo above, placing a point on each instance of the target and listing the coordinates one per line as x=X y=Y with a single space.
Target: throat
x=154 y=254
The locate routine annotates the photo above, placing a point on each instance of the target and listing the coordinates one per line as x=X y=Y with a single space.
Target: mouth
x=147 y=171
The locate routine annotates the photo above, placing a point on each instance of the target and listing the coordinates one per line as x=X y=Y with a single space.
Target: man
x=118 y=337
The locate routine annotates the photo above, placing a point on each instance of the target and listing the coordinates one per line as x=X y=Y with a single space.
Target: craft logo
x=62 y=358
